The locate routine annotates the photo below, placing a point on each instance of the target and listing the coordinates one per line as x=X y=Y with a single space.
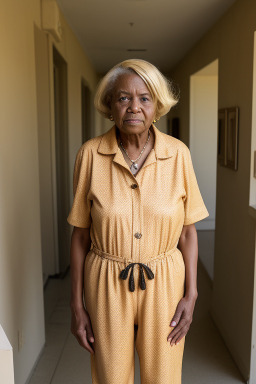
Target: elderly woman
x=134 y=244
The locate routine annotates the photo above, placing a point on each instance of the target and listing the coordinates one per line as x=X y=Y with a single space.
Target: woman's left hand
x=183 y=317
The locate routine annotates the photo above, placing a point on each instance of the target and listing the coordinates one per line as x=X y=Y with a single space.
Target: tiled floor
x=63 y=361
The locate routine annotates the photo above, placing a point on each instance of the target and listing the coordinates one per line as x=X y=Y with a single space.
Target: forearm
x=188 y=245
x=80 y=246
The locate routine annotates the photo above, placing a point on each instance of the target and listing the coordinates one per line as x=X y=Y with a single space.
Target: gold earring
x=154 y=121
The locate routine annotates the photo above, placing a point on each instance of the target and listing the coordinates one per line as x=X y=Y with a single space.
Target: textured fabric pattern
x=114 y=310
x=134 y=219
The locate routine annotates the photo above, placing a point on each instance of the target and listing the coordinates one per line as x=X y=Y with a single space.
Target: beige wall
x=79 y=67
x=203 y=140
x=21 y=293
x=21 y=285
x=203 y=147
x=230 y=41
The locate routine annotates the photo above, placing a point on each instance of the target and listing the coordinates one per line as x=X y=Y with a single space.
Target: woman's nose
x=134 y=106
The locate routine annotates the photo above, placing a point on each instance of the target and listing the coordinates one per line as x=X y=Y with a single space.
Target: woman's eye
x=144 y=99
x=123 y=98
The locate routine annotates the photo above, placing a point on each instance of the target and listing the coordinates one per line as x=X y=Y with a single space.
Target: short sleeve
x=194 y=207
x=80 y=214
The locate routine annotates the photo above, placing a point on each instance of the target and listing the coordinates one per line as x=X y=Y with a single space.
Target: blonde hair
x=159 y=86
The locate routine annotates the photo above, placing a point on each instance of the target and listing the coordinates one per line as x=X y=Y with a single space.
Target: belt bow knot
x=124 y=274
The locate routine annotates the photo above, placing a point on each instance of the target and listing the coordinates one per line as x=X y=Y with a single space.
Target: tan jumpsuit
x=134 y=219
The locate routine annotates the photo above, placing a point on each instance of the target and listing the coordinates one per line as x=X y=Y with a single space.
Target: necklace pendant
x=134 y=168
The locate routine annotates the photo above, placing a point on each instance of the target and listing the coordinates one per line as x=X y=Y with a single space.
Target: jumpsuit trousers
x=115 y=308
x=134 y=274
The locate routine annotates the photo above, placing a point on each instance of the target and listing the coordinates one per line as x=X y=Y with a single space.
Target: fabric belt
x=124 y=273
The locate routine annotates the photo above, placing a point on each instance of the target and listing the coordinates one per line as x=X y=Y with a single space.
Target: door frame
x=51 y=48
x=252 y=212
x=86 y=120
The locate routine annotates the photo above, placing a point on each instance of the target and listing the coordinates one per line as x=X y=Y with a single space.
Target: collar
x=162 y=147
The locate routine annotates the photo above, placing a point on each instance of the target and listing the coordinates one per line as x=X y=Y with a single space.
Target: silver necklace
x=134 y=165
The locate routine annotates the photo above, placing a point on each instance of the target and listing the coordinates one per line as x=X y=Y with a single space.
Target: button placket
x=136 y=220
x=142 y=237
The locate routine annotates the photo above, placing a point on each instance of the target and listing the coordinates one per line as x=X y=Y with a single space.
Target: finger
x=182 y=322
x=179 y=338
x=177 y=321
x=85 y=345
x=176 y=318
x=82 y=339
x=175 y=338
x=171 y=336
x=179 y=314
x=177 y=329
x=88 y=347
x=179 y=335
x=174 y=331
x=89 y=333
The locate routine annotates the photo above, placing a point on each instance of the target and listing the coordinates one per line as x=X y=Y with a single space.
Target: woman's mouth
x=133 y=121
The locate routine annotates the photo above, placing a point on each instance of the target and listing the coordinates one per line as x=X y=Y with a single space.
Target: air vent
x=136 y=50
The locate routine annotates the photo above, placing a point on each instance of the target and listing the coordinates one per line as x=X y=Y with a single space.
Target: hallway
x=54 y=53
x=63 y=361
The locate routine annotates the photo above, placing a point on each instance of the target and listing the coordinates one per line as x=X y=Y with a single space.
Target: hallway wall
x=203 y=139
x=21 y=285
x=230 y=41
x=79 y=66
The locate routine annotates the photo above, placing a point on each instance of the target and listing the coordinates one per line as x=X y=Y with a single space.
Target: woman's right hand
x=81 y=328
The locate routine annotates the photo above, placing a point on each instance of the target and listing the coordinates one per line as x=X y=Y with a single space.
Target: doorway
x=61 y=158
x=86 y=111
x=46 y=178
x=203 y=147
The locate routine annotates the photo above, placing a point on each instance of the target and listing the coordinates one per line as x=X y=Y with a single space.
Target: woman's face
x=132 y=106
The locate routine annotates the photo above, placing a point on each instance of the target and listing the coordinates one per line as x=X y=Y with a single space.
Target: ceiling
x=166 y=29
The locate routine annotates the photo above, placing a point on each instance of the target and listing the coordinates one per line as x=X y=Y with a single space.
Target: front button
x=134 y=186
x=138 y=235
